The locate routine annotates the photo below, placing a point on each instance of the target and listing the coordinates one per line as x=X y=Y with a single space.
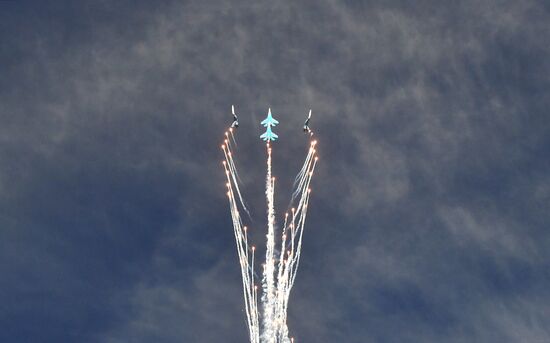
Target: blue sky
x=429 y=215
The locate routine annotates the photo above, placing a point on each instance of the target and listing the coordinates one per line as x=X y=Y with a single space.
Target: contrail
x=279 y=269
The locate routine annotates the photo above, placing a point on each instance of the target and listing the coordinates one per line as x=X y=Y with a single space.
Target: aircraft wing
x=269 y=121
x=264 y=136
x=269 y=136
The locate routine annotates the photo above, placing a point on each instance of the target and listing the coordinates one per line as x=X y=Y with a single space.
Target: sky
x=429 y=217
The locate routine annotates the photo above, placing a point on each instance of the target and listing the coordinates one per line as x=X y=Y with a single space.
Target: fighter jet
x=235 y=123
x=269 y=135
x=268 y=123
x=306 y=124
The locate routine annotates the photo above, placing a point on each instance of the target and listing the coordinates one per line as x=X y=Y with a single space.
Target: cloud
x=428 y=216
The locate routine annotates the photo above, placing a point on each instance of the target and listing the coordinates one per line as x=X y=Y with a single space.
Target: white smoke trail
x=246 y=259
x=232 y=136
x=268 y=281
x=279 y=272
x=289 y=266
x=233 y=172
x=300 y=178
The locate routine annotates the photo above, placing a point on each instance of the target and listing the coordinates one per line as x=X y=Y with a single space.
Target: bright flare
x=279 y=269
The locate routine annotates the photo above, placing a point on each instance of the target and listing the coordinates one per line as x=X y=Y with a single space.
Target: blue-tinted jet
x=268 y=123
x=269 y=135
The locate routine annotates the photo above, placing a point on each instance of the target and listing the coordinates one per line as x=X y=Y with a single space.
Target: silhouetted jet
x=306 y=124
x=235 y=123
